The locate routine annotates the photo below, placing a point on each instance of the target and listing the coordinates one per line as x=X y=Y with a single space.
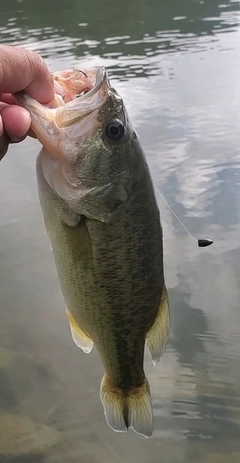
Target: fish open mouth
x=72 y=118
x=80 y=84
x=84 y=93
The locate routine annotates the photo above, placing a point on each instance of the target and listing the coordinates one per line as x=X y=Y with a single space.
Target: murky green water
x=177 y=65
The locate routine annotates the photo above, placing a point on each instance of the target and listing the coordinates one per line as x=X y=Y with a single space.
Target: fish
x=101 y=215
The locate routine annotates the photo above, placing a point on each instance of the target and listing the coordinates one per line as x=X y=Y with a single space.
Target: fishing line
x=201 y=242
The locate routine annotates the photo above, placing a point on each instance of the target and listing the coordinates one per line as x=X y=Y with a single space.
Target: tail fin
x=124 y=410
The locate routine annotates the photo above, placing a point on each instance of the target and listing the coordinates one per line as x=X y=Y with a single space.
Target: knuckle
x=37 y=66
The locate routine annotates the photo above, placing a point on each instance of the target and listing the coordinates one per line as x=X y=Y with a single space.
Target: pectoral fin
x=158 y=334
x=79 y=336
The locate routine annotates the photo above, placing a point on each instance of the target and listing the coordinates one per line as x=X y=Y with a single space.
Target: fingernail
x=58 y=88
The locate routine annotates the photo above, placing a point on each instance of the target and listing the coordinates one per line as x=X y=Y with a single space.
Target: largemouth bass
x=101 y=216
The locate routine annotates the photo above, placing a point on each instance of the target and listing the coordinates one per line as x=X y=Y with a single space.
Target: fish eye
x=115 y=130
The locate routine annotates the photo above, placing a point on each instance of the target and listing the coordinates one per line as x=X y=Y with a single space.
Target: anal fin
x=158 y=334
x=79 y=336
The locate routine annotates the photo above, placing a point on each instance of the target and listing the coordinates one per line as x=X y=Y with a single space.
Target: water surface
x=177 y=66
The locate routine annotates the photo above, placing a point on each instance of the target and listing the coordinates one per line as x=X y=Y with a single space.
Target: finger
x=22 y=69
x=7 y=98
x=16 y=122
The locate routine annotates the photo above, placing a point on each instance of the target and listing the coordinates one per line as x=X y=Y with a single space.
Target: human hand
x=20 y=69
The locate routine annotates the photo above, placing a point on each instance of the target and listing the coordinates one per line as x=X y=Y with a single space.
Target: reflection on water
x=177 y=66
